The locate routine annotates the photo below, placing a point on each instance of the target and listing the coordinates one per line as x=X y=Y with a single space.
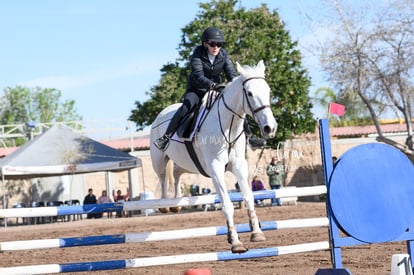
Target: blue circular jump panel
x=371 y=193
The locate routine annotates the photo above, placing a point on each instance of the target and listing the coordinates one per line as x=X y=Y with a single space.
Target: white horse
x=220 y=144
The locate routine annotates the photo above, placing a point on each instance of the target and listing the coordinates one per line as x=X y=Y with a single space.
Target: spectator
x=90 y=199
x=257 y=185
x=118 y=197
x=275 y=172
x=104 y=198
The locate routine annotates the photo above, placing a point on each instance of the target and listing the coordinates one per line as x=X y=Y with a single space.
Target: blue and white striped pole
x=164 y=260
x=156 y=203
x=157 y=236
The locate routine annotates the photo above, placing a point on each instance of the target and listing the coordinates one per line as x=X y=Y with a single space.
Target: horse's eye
x=249 y=93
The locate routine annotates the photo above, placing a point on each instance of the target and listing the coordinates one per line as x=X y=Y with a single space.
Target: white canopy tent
x=61 y=151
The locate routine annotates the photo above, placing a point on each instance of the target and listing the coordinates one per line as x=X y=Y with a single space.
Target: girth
x=193 y=156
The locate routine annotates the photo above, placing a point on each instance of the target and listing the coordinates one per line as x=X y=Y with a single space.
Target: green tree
x=251 y=35
x=21 y=105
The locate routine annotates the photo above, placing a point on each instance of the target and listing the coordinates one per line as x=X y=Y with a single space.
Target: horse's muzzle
x=269 y=131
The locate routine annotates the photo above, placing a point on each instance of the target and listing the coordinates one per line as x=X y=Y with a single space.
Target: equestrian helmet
x=212 y=34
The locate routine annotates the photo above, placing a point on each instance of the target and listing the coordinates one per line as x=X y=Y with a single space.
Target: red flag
x=336 y=109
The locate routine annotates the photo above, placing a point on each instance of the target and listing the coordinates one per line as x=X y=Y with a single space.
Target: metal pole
x=3 y=185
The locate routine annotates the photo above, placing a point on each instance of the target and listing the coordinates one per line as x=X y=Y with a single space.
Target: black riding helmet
x=212 y=34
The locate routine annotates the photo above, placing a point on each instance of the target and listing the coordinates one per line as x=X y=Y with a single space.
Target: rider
x=208 y=61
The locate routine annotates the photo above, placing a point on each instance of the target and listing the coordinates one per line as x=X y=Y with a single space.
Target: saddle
x=189 y=124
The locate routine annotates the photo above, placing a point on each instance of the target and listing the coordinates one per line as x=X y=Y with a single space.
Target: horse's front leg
x=232 y=236
x=228 y=212
x=241 y=175
x=257 y=233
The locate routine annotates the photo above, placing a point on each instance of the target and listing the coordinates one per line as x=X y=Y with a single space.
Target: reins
x=245 y=97
x=220 y=98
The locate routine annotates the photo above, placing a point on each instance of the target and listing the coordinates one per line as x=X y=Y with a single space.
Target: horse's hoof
x=239 y=248
x=175 y=209
x=257 y=237
x=164 y=210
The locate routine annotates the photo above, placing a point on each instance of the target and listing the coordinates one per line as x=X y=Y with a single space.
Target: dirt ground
x=372 y=259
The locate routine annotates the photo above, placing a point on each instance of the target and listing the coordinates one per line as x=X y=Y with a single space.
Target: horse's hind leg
x=159 y=164
x=177 y=172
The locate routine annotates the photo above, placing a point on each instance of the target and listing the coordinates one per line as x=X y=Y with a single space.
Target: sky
x=106 y=54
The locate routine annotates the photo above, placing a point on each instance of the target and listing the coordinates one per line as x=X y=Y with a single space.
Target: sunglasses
x=215 y=44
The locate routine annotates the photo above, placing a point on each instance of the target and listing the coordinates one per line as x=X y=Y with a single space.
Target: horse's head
x=256 y=98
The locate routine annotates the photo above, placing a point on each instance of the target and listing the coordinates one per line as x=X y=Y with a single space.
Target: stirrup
x=162 y=143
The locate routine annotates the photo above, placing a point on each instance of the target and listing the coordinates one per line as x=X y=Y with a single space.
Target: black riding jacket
x=204 y=74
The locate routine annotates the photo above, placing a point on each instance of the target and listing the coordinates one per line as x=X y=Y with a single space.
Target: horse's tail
x=170 y=173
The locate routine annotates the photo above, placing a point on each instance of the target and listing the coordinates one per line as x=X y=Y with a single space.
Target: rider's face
x=213 y=47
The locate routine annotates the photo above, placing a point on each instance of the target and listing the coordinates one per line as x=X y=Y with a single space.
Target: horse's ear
x=261 y=66
x=239 y=68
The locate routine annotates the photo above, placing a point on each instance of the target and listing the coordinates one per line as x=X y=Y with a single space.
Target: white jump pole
x=164 y=260
x=157 y=236
x=156 y=203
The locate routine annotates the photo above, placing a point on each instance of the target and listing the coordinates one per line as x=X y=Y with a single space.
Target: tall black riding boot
x=162 y=142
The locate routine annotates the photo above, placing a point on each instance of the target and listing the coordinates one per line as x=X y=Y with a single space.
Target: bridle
x=245 y=98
